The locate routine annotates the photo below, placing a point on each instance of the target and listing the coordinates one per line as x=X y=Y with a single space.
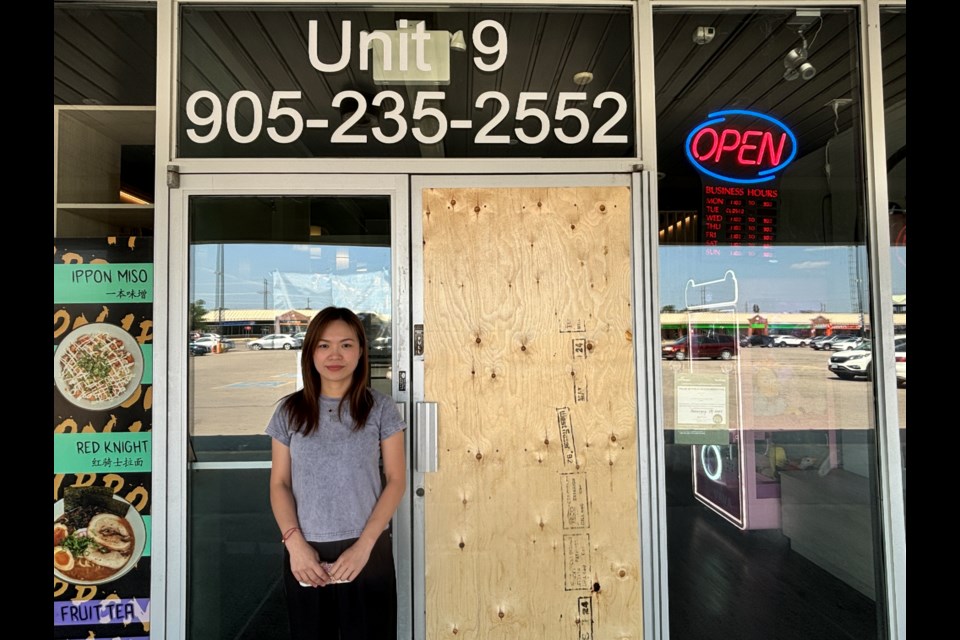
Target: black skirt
x=362 y=609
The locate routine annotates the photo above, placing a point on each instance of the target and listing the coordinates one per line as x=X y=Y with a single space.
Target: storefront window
x=768 y=415
x=104 y=54
x=104 y=87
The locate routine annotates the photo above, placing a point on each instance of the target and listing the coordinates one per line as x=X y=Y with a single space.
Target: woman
x=325 y=488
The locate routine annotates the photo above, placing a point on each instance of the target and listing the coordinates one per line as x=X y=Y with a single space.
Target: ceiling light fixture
x=797 y=61
x=457 y=43
x=704 y=35
x=582 y=78
x=795 y=56
x=129 y=198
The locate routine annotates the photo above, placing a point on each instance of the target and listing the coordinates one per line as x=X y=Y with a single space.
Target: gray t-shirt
x=336 y=471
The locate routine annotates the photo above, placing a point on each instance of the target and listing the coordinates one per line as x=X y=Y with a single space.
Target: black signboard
x=435 y=83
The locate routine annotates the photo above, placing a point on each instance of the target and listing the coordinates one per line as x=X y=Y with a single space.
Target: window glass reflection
x=764 y=291
x=260 y=267
x=96 y=58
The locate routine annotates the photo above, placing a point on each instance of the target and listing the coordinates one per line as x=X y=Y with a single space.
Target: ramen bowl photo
x=98 y=366
x=97 y=537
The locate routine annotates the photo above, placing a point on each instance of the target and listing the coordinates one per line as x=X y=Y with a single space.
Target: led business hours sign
x=411 y=55
x=740 y=155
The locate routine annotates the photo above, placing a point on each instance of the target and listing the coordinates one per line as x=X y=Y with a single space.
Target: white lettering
x=419 y=36
x=366 y=43
x=344 y=49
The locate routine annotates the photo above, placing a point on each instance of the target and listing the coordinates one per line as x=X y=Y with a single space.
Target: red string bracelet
x=289 y=532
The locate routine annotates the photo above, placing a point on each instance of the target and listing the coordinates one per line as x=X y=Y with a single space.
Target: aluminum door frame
x=169 y=573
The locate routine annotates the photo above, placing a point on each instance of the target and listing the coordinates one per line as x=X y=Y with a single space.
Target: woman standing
x=325 y=488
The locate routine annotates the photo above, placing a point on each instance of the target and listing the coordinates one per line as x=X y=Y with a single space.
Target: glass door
x=260 y=255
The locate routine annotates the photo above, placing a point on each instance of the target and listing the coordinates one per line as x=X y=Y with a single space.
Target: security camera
x=703 y=35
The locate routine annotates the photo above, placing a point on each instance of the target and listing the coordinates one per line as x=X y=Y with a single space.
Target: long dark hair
x=303 y=406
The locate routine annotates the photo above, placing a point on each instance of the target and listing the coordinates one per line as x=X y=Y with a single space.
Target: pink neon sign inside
x=748 y=151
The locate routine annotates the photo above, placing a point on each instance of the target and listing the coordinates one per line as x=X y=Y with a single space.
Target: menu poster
x=102 y=436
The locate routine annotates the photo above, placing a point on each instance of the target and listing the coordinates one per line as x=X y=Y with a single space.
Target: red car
x=716 y=346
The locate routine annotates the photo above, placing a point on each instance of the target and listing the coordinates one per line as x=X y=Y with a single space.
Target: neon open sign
x=741 y=146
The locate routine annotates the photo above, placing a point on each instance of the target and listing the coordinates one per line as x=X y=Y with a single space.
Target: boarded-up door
x=531 y=523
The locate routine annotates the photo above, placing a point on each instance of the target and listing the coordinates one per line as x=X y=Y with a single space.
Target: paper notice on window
x=702 y=405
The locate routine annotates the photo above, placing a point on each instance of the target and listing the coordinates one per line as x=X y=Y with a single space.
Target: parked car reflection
x=858 y=362
x=756 y=340
x=214 y=343
x=825 y=343
x=900 y=356
x=195 y=349
x=852 y=363
x=787 y=340
x=847 y=343
x=276 y=341
x=716 y=346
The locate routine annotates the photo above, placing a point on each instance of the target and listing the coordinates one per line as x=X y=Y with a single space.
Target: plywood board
x=531 y=519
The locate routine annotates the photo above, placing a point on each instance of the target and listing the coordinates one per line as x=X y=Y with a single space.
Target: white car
x=212 y=343
x=783 y=340
x=275 y=341
x=206 y=342
x=900 y=355
x=852 y=363
x=847 y=344
x=855 y=363
x=822 y=343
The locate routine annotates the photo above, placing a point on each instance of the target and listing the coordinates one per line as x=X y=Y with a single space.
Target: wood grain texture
x=531 y=519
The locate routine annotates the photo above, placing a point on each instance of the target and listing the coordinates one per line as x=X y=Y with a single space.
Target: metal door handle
x=426 y=445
